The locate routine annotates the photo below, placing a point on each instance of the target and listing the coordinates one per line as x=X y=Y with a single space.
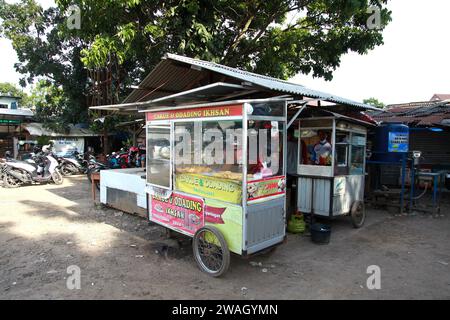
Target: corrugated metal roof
x=416 y=113
x=176 y=73
x=440 y=97
x=17 y=112
x=38 y=129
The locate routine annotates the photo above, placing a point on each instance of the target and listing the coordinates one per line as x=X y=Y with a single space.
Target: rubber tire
x=57 y=178
x=224 y=246
x=358 y=222
x=7 y=185
x=68 y=172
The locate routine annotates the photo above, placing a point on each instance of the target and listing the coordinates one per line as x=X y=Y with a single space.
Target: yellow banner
x=228 y=219
x=210 y=187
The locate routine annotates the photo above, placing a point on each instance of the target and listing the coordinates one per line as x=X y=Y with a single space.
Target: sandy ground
x=46 y=229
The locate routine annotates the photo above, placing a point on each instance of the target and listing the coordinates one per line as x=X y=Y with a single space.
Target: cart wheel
x=211 y=251
x=358 y=214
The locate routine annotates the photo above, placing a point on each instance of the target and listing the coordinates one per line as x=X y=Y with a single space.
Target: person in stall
x=322 y=150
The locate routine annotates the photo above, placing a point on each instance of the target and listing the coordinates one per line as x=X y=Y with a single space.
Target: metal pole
x=413 y=180
x=435 y=189
x=296 y=116
x=402 y=195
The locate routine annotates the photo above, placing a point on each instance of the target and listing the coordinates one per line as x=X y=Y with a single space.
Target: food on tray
x=228 y=175
x=194 y=170
x=165 y=153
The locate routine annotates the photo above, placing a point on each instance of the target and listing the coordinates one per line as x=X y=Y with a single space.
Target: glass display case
x=222 y=166
x=331 y=165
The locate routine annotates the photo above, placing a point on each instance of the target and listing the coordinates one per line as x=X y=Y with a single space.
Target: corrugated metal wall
x=265 y=222
x=435 y=147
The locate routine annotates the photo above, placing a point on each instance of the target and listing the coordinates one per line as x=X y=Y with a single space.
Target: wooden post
x=95 y=178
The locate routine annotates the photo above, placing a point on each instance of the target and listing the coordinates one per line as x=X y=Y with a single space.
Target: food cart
x=239 y=206
x=217 y=173
x=331 y=165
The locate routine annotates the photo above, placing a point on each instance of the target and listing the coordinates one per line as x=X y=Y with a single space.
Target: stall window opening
x=159 y=155
x=342 y=152
x=265 y=149
x=316 y=147
x=212 y=148
x=357 y=154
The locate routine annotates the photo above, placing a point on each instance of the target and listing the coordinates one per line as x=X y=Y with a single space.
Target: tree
x=279 y=38
x=51 y=106
x=10 y=89
x=374 y=102
x=45 y=51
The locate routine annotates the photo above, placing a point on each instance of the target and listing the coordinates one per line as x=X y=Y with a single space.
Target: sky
x=412 y=65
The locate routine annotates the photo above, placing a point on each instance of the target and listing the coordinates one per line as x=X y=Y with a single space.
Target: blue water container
x=391 y=142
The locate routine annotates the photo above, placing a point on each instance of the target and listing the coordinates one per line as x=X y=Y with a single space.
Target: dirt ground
x=46 y=229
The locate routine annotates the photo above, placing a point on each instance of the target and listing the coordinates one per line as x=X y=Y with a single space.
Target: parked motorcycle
x=137 y=156
x=70 y=166
x=2 y=169
x=95 y=166
x=45 y=169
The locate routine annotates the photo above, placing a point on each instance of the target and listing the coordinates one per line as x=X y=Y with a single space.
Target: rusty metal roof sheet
x=416 y=113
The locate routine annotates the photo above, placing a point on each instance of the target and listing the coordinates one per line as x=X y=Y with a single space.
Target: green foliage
x=279 y=38
x=374 y=102
x=46 y=51
x=43 y=140
x=10 y=89
x=53 y=107
x=101 y=123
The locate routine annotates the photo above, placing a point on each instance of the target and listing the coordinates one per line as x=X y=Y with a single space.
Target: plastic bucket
x=320 y=233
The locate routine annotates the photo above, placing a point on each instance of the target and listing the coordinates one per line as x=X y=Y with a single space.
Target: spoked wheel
x=57 y=177
x=211 y=251
x=358 y=214
x=10 y=181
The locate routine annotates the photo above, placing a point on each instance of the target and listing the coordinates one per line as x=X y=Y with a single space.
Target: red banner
x=265 y=188
x=179 y=212
x=205 y=112
x=214 y=215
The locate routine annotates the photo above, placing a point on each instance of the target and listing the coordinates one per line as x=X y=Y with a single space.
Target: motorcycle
x=124 y=158
x=45 y=169
x=70 y=166
x=2 y=169
x=96 y=166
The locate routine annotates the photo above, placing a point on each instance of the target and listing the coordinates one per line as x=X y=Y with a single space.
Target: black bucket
x=320 y=233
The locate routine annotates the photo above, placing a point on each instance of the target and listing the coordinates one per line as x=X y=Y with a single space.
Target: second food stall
x=331 y=165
